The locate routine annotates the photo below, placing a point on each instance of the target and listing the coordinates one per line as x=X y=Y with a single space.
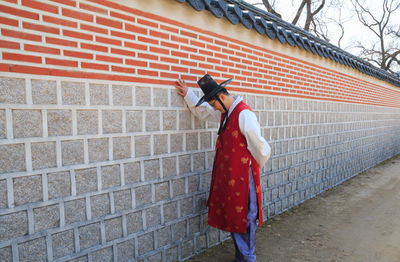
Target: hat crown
x=208 y=84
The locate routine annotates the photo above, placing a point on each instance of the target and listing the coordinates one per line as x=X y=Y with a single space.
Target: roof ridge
x=239 y=11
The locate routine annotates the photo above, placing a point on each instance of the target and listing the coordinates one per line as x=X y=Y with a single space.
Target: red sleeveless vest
x=229 y=190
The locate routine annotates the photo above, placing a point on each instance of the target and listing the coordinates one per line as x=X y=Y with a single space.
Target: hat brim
x=214 y=92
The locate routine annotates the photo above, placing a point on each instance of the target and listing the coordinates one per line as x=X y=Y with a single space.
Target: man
x=234 y=203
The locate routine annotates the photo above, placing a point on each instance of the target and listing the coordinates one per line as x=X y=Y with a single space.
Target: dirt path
x=358 y=221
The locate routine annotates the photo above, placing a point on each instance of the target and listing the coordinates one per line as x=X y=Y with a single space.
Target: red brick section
x=99 y=39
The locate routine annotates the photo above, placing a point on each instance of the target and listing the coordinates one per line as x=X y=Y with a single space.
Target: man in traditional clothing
x=234 y=203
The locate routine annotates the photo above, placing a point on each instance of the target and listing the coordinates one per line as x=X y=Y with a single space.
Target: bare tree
x=385 y=49
x=313 y=7
x=318 y=16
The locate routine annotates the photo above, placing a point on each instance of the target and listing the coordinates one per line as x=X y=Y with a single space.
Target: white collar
x=238 y=99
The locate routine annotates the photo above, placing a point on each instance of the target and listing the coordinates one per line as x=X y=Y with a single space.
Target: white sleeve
x=256 y=144
x=204 y=111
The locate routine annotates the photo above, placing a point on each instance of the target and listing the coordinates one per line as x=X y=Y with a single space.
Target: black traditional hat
x=210 y=88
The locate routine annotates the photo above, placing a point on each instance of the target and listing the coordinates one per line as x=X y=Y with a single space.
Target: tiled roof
x=239 y=11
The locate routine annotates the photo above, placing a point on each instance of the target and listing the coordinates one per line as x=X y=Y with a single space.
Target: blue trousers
x=245 y=243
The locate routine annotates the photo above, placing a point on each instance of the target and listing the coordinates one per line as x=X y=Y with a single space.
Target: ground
x=357 y=221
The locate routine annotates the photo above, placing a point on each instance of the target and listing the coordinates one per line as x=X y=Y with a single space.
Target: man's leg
x=245 y=243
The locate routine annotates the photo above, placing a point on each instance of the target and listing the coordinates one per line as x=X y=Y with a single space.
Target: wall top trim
x=239 y=11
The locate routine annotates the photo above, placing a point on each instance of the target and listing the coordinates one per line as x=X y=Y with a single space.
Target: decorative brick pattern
x=100 y=158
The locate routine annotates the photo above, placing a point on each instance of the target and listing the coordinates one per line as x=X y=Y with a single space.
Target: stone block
x=86 y=180
x=187 y=249
x=100 y=205
x=184 y=164
x=112 y=121
x=169 y=119
x=170 y=211
x=155 y=258
x=143 y=96
x=160 y=144
x=87 y=122
x=98 y=149
x=44 y=92
x=12 y=90
x=13 y=225
x=194 y=225
x=113 y=228
x=169 y=166
x=142 y=146
x=89 y=235
x=27 y=189
x=121 y=147
x=205 y=140
x=44 y=155
x=178 y=186
x=176 y=143
x=194 y=183
x=75 y=211
x=179 y=231
x=187 y=206
x=132 y=172
x=63 y=243
x=59 y=122
x=46 y=217
x=152 y=120
x=185 y=120
x=6 y=254
x=201 y=203
x=164 y=236
x=73 y=93
x=146 y=243
x=126 y=250
x=134 y=222
x=103 y=255
x=199 y=161
x=153 y=216
x=162 y=191
x=151 y=169
x=171 y=254
x=98 y=94
x=122 y=95
x=176 y=100
x=160 y=97
x=72 y=152
x=3 y=194
x=27 y=123
x=122 y=200
x=143 y=195
x=199 y=124
x=3 y=129
x=205 y=181
x=213 y=237
x=134 y=121
x=12 y=158
x=110 y=176
x=192 y=141
x=35 y=248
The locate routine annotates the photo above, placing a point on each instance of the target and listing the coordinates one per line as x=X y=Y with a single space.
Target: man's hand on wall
x=182 y=88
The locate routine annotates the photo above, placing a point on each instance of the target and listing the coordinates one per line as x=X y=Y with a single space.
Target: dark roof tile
x=239 y=11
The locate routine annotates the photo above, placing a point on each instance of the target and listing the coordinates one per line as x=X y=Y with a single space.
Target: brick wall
x=101 y=161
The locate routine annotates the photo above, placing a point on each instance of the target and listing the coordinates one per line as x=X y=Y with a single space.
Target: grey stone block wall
x=105 y=171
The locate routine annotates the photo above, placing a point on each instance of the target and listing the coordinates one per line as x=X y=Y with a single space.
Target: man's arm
x=256 y=144
x=204 y=111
